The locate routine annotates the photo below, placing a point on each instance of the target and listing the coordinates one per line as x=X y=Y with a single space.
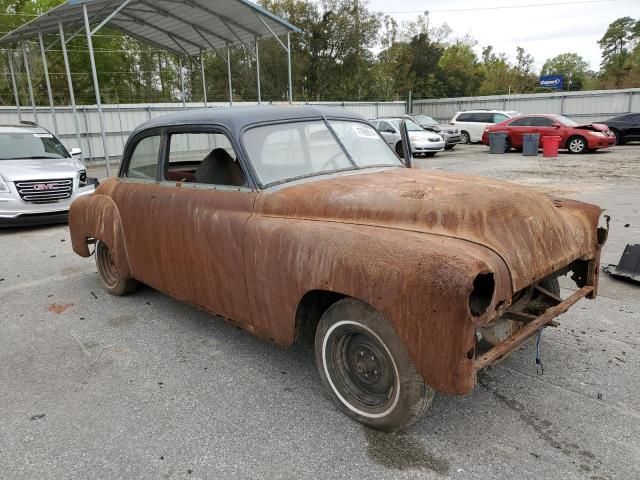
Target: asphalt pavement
x=93 y=386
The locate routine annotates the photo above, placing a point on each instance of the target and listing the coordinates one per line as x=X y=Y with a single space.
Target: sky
x=544 y=31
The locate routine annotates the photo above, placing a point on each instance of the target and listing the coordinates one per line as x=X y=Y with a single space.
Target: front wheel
x=112 y=281
x=577 y=144
x=465 y=137
x=366 y=369
x=619 y=138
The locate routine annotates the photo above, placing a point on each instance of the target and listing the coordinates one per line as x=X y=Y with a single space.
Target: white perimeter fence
x=121 y=120
x=583 y=107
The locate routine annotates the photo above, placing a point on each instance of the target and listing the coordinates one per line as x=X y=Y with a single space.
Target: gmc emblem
x=44 y=186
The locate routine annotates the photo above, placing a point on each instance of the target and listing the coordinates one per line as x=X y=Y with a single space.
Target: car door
x=517 y=128
x=196 y=219
x=634 y=126
x=547 y=127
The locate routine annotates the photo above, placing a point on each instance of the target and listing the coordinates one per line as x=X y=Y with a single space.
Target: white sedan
x=423 y=142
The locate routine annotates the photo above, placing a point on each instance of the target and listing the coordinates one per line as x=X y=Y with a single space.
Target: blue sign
x=552 y=81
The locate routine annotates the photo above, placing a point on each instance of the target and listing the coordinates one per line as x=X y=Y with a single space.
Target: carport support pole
x=15 y=85
x=29 y=84
x=45 y=68
x=182 y=94
x=258 y=72
x=229 y=75
x=72 y=97
x=204 y=80
x=96 y=87
x=289 y=67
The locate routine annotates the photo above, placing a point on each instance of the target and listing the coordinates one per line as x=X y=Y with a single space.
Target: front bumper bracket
x=529 y=330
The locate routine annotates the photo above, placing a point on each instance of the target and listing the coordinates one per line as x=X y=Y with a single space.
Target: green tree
x=616 y=44
x=461 y=70
x=571 y=65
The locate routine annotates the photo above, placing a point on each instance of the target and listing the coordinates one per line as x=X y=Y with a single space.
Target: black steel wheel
x=366 y=369
x=112 y=281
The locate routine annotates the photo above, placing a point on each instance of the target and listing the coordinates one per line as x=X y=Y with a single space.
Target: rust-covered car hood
x=533 y=233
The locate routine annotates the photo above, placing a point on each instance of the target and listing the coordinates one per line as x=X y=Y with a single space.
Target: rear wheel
x=112 y=281
x=399 y=150
x=577 y=144
x=449 y=147
x=465 y=137
x=366 y=369
x=507 y=145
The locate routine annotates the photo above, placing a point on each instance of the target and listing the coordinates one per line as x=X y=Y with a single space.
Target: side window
x=203 y=157
x=521 y=122
x=464 y=117
x=633 y=119
x=499 y=117
x=143 y=162
x=485 y=117
x=542 y=122
x=385 y=127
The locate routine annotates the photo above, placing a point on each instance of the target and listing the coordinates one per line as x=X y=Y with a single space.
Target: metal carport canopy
x=180 y=26
x=184 y=27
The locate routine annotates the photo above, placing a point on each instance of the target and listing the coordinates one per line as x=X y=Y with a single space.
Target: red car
x=575 y=138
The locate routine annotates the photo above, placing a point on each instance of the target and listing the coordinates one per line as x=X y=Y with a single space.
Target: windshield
x=26 y=145
x=424 y=121
x=296 y=150
x=411 y=125
x=566 y=121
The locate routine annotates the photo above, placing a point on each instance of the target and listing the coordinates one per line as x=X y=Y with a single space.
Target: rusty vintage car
x=301 y=223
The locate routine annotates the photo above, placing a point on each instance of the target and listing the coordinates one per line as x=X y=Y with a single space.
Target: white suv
x=39 y=178
x=473 y=122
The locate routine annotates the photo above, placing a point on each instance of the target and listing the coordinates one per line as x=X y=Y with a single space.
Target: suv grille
x=45 y=191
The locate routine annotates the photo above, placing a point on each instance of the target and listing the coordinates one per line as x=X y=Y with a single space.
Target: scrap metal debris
x=629 y=266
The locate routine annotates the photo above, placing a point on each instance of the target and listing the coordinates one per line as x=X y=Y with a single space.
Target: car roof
x=237 y=118
x=22 y=128
x=486 y=111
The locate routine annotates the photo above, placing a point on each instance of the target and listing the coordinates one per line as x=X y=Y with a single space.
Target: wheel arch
x=310 y=309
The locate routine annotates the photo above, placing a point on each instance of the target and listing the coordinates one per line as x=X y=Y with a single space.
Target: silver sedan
x=422 y=141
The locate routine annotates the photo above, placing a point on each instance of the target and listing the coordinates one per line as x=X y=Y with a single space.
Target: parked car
x=625 y=127
x=300 y=223
x=39 y=178
x=422 y=142
x=574 y=137
x=449 y=133
x=473 y=122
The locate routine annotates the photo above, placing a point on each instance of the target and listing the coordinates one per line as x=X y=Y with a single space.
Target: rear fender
x=97 y=217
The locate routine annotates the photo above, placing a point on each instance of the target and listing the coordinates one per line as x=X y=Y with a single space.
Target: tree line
x=346 y=51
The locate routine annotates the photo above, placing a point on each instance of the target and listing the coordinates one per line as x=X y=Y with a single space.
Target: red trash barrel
x=550 y=146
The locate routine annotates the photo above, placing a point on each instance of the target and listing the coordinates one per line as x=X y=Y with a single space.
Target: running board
x=529 y=330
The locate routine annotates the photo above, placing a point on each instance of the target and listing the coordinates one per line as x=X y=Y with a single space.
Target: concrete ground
x=93 y=386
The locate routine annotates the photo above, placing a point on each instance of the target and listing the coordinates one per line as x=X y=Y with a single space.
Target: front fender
x=96 y=216
x=420 y=282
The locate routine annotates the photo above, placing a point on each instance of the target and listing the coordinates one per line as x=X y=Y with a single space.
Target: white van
x=473 y=122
